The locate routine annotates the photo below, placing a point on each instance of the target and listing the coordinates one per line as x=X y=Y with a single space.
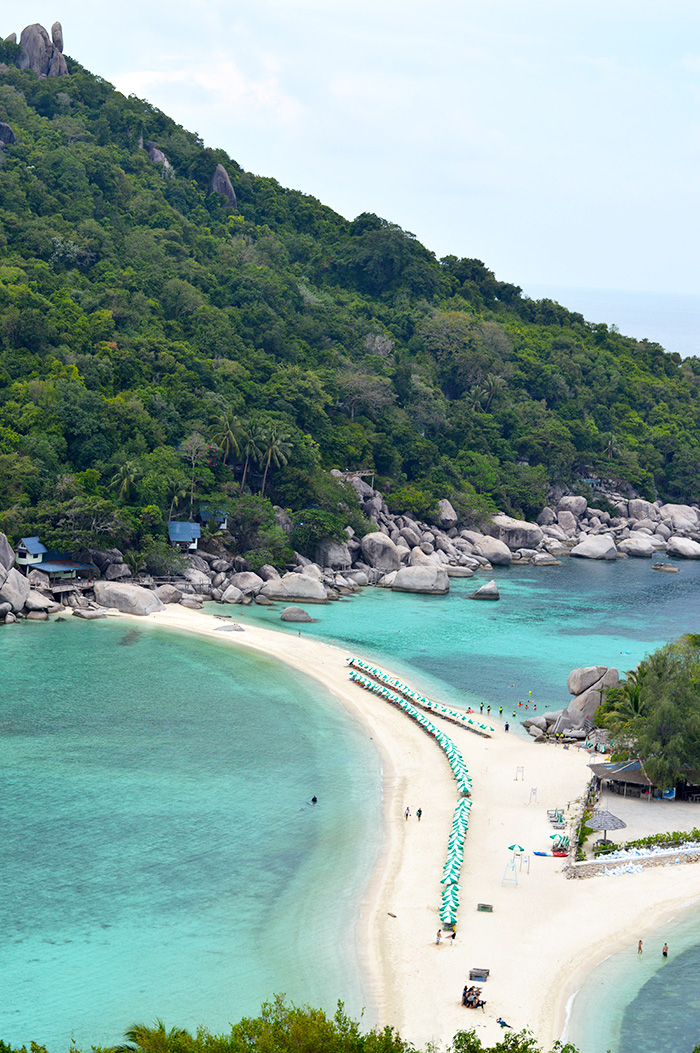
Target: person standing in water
x=639 y=948
x=664 y=950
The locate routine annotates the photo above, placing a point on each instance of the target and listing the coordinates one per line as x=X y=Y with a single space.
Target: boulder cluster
x=640 y=529
x=576 y=720
x=39 y=52
x=20 y=596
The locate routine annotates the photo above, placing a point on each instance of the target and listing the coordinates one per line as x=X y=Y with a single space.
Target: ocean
x=160 y=857
x=669 y=319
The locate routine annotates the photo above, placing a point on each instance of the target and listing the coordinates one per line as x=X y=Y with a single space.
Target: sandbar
x=542 y=935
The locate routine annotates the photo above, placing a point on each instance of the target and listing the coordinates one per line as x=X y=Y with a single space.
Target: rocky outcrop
x=489 y=591
x=683 y=547
x=601 y=546
x=333 y=554
x=231 y=595
x=40 y=54
x=427 y=579
x=640 y=546
x=447 y=517
x=7 y=555
x=130 y=599
x=249 y=583
x=584 y=704
x=7 y=136
x=117 y=572
x=295 y=587
x=515 y=533
x=36 y=601
x=158 y=157
x=168 y=594
x=14 y=590
x=295 y=614
x=574 y=504
x=579 y=680
x=380 y=552
x=221 y=184
x=495 y=551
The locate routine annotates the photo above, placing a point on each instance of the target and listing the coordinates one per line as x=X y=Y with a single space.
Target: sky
x=559 y=142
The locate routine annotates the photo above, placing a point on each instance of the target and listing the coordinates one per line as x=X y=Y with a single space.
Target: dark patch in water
x=132 y=637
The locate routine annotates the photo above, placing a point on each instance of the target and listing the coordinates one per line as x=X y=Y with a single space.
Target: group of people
x=471 y=998
x=407 y=813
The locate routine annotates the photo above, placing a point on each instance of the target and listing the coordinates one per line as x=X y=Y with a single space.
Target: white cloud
x=218 y=83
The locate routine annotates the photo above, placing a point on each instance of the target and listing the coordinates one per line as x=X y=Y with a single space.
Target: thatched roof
x=601 y=820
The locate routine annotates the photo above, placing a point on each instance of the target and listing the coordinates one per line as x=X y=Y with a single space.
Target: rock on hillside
x=40 y=54
x=221 y=184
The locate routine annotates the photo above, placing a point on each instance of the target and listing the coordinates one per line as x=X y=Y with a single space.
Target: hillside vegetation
x=158 y=346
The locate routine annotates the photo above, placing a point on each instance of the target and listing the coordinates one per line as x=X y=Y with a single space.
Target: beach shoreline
x=543 y=936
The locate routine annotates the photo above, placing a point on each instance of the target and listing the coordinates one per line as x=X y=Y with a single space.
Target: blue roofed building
x=29 y=552
x=32 y=554
x=184 y=535
x=205 y=516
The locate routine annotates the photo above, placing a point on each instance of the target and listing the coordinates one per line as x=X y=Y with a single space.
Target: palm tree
x=142 y=1039
x=125 y=476
x=225 y=432
x=493 y=385
x=250 y=446
x=276 y=450
x=476 y=396
x=175 y=491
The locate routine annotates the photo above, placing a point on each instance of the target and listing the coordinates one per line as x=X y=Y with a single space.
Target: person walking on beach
x=664 y=950
x=419 y=814
x=639 y=948
x=507 y=728
x=407 y=813
x=439 y=936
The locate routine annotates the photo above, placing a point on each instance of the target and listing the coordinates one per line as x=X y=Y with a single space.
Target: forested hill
x=157 y=343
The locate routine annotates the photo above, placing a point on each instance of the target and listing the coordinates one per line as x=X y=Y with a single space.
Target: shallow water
x=160 y=857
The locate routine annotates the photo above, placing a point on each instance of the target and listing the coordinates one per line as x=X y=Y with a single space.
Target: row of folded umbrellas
x=453 y=863
x=456 y=761
x=420 y=700
x=460 y=819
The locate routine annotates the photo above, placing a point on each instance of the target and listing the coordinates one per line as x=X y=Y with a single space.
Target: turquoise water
x=159 y=855
x=548 y=622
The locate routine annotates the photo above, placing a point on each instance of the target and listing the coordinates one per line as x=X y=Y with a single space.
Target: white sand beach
x=542 y=937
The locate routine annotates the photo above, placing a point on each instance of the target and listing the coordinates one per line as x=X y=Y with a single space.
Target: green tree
x=275 y=449
x=225 y=433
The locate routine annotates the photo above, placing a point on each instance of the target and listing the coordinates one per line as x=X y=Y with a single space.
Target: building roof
x=184 y=531
x=33 y=546
x=622 y=771
x=58 y=564
x=205 y=514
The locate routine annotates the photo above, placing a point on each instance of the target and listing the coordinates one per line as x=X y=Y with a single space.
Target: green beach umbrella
x=515 y=848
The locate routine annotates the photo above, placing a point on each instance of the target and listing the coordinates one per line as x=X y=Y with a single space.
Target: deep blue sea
x=669 y=319
x=160 y=858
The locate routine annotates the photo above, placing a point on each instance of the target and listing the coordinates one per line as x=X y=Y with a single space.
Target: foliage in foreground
x=655 y=712
x=285 y=1028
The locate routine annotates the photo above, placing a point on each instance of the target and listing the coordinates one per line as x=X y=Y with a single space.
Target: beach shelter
x=601 y=820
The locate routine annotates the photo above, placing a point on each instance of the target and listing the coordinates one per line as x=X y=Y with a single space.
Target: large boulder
x=495 y=551
x=295 y=614
x=515 y=533
x=333 y=554
x=35 y=601
x=489 y=591
x=640 y=509
x=295 y=587
x=546 y=517
x=7 y=136
x=458 y=572
x=248 y=582
x=14 y=590
x=567 y=521
x=601 y=546
x=429 y=579
x=380 y=552
x=583 y=706
x=683 y=547
x=580 y=680
x=221 y=184
x=168 y=594
x=269 y=573
x=40 y=54
x=118 y=571
x=447 y=516
x=231 y=595
x=574 y=504
x=130 y=599
x=638 y=545
x=7 y=555
x=681 y=517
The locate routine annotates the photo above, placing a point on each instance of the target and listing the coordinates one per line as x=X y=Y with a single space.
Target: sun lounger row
x=459 y=768
x=455 y=715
